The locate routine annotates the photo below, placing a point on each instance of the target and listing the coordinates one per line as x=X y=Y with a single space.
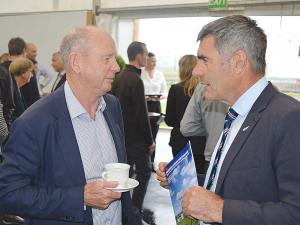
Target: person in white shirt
x=31 y=53
x=155 y=90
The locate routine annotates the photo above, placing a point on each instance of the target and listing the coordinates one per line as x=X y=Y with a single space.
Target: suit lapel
x=244 y=132
x=67 y=139
x=112 y=126
x=250 y=122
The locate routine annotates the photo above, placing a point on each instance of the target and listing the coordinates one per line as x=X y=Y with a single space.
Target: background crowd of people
x=139 y=95
x=59 y=142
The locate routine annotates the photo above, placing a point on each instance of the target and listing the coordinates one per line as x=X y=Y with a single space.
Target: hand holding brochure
x=181 y=175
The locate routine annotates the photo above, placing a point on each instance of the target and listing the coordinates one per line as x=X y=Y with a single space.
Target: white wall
x=141 y=3
x=45 y=30
x=125 y=38
x=19 y=6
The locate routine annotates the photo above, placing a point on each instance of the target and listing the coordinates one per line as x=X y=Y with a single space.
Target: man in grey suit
x=254 y=179
x=204 y=118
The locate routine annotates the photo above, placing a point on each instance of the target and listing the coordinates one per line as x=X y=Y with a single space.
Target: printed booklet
x=181 y=175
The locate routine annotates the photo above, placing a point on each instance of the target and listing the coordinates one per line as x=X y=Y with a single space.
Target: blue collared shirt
x=96 y=148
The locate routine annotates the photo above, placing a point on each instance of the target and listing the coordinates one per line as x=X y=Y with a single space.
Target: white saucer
x=131 y=183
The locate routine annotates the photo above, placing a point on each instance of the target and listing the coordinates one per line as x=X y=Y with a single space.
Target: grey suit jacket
x=259 y=178
x=204 y=118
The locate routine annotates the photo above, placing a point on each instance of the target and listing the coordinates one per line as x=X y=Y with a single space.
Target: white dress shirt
x=96 y=148
x=242 y=106
x=156 y=85
x=43 y=71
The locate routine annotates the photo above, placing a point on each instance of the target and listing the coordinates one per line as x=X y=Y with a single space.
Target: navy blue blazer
x=42 y=176
x=259 y=178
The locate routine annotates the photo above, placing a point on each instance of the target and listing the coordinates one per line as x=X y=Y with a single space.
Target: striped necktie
x=231 y=115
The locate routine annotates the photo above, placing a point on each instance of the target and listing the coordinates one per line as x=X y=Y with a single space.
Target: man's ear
x=239 y=61
x=74 y=63
x=138 y=57
x=24 y=52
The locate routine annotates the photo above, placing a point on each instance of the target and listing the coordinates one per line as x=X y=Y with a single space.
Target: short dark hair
x=150 y=54
x=16 y=46
x=134 y=49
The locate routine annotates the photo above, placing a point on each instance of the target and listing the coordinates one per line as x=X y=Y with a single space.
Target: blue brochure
x=181 y=175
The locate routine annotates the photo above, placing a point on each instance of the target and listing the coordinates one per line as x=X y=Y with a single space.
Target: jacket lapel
x=67 y=139
x=112 y=126
x=244 y=132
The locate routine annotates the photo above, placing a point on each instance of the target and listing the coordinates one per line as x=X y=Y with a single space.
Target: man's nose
x=198 y=71
x=116 y=67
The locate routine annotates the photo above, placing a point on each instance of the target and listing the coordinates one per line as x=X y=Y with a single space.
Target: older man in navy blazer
x=253 y=177
x=57 y=149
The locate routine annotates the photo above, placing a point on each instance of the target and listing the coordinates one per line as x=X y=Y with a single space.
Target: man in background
x=58 y=67
x=31 y=53
x=17 y=48
x=61 y=76
x=204 y=118
x=129 y=89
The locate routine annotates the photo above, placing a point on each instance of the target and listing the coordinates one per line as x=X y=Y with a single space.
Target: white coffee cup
x=116 y=172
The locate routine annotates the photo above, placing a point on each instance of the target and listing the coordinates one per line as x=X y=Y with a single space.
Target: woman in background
x=4 y=57
x=21 y=71
x=155 y=90
x=178 y=99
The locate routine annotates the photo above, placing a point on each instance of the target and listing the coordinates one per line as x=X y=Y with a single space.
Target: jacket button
x=89 y=224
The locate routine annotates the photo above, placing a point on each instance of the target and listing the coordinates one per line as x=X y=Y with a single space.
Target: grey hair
x=237 y=32
x=56 y=53
x=76 y=41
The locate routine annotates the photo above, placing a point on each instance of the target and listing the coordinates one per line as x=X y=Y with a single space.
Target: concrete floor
x=158 y=199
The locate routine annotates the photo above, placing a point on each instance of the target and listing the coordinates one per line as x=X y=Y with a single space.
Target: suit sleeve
x=7 y=99
x=20 y=191
x=192 y=123
x=286 y=167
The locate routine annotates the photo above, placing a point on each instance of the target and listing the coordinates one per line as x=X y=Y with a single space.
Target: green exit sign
x=217 y=4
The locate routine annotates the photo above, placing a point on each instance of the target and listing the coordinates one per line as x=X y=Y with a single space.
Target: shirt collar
x=134 y=69
x=243 y=105
x=62 y=73
x=74 y=106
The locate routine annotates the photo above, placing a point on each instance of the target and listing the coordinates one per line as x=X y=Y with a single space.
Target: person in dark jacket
x=6 y=95
x=58 y=147
x=129 y=89
x=21 y=71
x=178 y=99
x=16 y=48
